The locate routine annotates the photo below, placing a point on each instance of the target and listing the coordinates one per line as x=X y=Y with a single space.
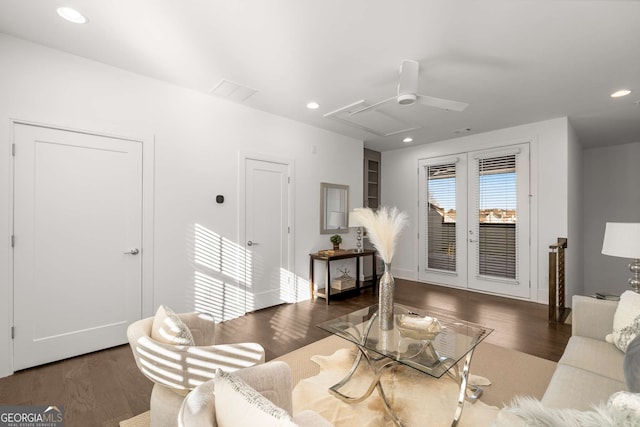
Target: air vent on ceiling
x=232 y=91
x=373 y=121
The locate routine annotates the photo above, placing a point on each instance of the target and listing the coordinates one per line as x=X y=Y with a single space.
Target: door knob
x=134 y=251
x=250 y=243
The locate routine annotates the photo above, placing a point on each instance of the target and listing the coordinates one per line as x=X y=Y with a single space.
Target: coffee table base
x=460 y=375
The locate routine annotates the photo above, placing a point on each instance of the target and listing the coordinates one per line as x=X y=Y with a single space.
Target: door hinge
x=13 y=332
x=288 y=230
x=288 y=180
x=13 y=241
x=13 y=150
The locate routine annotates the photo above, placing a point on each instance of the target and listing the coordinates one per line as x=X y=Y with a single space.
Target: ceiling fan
x=408 y=92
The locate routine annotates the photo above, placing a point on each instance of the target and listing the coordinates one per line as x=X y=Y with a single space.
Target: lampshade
x=622 y=239
x=336 y=219
x=353 y=220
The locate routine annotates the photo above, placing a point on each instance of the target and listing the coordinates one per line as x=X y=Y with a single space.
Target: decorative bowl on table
x=418 y=327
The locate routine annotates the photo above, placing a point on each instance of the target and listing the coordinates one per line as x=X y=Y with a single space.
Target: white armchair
x=177 y=369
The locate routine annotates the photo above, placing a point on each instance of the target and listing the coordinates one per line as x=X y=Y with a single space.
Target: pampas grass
x=383 y=227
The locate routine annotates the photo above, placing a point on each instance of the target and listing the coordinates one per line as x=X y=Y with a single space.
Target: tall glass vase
x=385 y=299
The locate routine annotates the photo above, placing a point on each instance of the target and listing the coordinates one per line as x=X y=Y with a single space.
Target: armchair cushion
x=237 y=404
x=168 y=328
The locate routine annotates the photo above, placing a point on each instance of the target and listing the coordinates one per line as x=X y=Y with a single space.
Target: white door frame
x=242 y=232
x=538 y=291
x=148 y=186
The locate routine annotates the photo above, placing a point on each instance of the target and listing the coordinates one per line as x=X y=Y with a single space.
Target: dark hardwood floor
x=102 y=388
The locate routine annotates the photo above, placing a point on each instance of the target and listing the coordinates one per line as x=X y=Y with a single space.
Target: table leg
x=312 y=278
x=328 y=285
x=464 y=377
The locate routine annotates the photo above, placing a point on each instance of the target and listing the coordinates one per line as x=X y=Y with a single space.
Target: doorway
x=474 y=220
x=266 y=231
x=77 y=270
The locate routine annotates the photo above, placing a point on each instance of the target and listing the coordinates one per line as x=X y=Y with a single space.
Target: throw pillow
x=237 y=404
x=626 y=320
x=169 y=329
x=632 y=365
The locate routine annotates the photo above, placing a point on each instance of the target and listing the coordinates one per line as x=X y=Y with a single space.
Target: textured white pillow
x=169 y=329
x=626 y=321
x=237 y=404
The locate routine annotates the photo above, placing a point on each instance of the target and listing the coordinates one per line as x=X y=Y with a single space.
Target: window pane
x=497 y=217
x=441 y=217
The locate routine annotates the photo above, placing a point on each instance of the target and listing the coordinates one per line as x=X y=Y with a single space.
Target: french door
x=474 y=220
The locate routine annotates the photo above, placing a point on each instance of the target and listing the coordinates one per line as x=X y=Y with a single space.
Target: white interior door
x=78 y=230
x=474 y=220
x=268 y=281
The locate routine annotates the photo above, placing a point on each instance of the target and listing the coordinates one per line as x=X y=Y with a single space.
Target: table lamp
x=354 y=222
x=622 y=239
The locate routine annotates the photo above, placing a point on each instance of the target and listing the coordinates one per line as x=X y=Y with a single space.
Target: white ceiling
x=513 y=61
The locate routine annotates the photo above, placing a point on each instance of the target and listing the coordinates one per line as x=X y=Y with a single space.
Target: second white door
x=268 y=281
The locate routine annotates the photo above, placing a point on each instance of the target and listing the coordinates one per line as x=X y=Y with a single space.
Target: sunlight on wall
x=222 y=271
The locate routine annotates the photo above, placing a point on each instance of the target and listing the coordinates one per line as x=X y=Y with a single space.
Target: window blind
x=496 y=217
x=441 y=216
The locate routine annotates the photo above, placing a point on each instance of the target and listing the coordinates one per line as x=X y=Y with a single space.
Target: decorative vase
x=336 y=246
x=385 y=299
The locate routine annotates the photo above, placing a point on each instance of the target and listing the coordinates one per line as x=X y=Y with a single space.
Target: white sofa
x=590 y=369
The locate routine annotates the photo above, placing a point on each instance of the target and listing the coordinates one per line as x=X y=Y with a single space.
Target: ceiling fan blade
x=369 y=107
x=445 y=104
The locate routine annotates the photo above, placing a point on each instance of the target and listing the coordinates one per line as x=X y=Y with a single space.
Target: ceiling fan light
x=407 y=98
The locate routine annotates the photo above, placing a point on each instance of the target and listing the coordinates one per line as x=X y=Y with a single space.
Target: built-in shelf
x=371 y=178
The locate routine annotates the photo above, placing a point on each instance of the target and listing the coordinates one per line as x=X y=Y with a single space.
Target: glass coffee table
x=433 y=348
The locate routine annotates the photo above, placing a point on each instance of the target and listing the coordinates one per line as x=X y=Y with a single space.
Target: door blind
x=496 y=216
x=441 y=216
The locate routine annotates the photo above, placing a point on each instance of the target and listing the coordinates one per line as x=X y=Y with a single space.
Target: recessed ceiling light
x=407 y=140
x=621 y=92
x=313 y=105
x=72 y=15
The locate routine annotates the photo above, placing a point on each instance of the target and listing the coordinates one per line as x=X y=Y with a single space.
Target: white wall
x=549 y=189
x=611 y=179
x=574 y=269
x=197 y=140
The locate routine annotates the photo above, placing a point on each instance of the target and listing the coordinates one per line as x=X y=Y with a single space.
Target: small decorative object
x=343 y=282
x=336 y=239
x=418 y=327
x=355 y=222
x=383 y=227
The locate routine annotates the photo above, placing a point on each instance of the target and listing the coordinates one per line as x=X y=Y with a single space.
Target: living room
x=194 y=144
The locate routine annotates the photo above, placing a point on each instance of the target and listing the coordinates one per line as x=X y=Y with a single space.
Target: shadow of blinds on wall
x=441 y=216
x=496 y=216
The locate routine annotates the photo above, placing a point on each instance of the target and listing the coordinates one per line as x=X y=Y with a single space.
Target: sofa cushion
x=626 y=321
x=238 y=404
x=572 y=387
x=169 y=329
x=594 y=356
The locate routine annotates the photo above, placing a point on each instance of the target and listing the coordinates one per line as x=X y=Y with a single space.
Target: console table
x=338 y=255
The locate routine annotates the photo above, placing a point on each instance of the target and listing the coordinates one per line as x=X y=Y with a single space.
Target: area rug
x=417 y=399
x=142 y=420
x=511 y=373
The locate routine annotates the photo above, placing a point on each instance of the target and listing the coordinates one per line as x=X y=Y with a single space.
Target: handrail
x=557 y=312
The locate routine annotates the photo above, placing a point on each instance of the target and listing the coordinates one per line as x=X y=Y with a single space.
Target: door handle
x=250 y=243
x=134 y=251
